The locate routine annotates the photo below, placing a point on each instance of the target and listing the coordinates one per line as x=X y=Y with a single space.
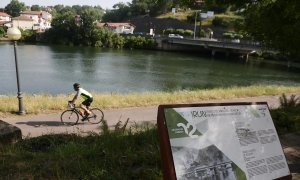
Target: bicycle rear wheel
x=69 y=117
x=96 y=116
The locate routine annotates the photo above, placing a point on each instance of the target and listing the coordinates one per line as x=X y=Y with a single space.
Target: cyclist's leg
x=86 y=104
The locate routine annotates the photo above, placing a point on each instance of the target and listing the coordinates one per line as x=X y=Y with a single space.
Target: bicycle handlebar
x=70 y=104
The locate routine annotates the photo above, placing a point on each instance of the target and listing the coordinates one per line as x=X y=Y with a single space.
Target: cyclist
x=88 y=99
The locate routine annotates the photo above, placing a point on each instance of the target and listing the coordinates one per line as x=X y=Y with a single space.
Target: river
x=53 y=70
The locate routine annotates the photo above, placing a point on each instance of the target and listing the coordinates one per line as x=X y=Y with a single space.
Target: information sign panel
x=230 y=141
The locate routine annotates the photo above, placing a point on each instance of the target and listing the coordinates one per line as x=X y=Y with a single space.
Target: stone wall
x=9 y=133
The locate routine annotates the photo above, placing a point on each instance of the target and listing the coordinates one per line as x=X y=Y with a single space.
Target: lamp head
x=13 y=33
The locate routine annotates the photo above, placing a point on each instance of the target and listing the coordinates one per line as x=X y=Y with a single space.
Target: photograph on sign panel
x=208 y=163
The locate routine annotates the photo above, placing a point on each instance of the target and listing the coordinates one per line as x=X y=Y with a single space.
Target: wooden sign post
x=232 y=141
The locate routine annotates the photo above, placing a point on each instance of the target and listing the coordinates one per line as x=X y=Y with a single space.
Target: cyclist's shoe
x=85 y=117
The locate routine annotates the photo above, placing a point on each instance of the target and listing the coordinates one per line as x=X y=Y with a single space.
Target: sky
x=103 y=3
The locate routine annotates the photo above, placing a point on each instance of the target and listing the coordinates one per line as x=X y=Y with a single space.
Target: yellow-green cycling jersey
x=84 y=94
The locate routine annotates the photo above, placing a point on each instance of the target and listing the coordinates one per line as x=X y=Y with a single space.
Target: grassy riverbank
x=120 y=154
x=35 y=104
x=131 y=153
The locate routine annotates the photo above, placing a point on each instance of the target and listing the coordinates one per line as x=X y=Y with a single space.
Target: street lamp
x=195 y=26
x=14 y=34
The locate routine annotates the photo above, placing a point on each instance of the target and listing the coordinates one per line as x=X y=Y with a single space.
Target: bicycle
x=71 y=116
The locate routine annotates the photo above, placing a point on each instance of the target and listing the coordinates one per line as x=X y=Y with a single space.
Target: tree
x=35 y=8
x=64 y=29
x=274 y=23
x=88 y=18
x=14 y=8
x=2 y=31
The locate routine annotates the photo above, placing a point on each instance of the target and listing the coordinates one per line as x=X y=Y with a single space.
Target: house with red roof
x=120 y=28
x=5 y=19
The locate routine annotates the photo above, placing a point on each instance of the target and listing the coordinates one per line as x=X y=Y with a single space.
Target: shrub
x=289 y=103
x=28 y=36
x=179 y=31
x=286 y=118
x=98 y=44
x=2 y=31
x=151 y=43
x=169 y=31
x=202 y=33
x=188 y=32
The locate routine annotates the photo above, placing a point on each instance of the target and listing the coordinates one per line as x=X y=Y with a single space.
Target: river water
x=53 y=70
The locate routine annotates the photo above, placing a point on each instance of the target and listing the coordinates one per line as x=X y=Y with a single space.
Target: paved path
x=36 y=125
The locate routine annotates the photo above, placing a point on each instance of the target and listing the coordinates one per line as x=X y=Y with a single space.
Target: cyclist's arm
x=75 y=97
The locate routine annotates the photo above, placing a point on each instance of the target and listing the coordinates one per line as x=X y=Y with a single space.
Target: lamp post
x=195 y=27
x=14 y=34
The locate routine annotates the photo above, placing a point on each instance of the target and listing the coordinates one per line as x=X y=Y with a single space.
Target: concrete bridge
x=212 y=46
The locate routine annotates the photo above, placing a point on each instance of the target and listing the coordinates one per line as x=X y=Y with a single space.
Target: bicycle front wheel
x=69 y=117
x=96 y=116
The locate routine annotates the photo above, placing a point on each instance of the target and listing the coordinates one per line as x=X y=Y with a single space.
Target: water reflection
x=53 y=69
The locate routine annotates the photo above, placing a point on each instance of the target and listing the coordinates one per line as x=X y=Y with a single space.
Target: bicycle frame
x=76 y=110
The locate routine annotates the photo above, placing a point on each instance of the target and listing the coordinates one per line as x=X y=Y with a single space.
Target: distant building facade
x=5 y=19
x=38 y=21
x=23 y=22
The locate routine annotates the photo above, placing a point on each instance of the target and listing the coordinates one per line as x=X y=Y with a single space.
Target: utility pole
x=195 y=27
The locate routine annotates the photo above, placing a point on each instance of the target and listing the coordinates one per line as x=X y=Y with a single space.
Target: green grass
x=35 y=104
x=111 y=155
x=181 y=15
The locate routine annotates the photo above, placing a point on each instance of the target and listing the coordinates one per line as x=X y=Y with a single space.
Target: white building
x=35 y=20
x=120 y=28
x=23 y=22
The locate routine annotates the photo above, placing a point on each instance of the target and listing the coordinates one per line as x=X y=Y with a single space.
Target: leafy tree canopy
x=35 y=8
x=274 y=22
x=14 y=8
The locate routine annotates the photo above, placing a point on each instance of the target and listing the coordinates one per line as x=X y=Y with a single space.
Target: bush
x=29 y=36
x=202 y=33
x=2 y=31
x=98 y=44
x=228 y=35
x=179 y=31
x=188 y=32
x=232 y=35
x=286 y=118
x=183 y=32
x=151 y=43
x=169 y=31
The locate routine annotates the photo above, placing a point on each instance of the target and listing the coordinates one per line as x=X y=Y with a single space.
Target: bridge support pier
x=213 y=53
x=247 y=57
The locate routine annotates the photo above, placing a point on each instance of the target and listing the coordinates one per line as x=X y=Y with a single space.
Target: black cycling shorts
x=87 y=102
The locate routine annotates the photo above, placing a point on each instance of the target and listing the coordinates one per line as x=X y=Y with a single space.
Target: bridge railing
x=219 y=43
